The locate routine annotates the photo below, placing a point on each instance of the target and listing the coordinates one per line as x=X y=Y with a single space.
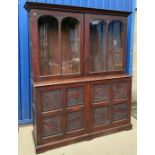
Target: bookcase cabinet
x=80 y=87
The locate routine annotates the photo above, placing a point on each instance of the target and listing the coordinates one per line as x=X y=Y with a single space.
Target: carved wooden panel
x=74 y=96
x=101 y=93
x=51 y=100
x=74 y=120
x=51 y=126
x=120 y=90
x=119 y=111
x=101 y=115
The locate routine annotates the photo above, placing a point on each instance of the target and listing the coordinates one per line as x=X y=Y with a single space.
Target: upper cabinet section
x=59 y=49
x=105 y=44
x=57 y=44
x=71 y=42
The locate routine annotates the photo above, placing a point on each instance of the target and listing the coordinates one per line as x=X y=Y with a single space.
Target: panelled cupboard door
x=57 y=44
x=49 y=107
x=109 y=103
x=121 y=101
x=100 y=104
x=105 y=44
x=76 y=109
x=62 y=111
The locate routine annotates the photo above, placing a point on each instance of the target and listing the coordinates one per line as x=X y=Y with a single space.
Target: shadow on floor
x=134 y=110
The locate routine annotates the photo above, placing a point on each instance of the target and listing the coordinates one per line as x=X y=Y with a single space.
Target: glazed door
x=57 y=44
x=105 y=44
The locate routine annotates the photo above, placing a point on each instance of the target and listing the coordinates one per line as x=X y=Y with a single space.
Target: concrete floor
x=134 y=110
x=120 y=143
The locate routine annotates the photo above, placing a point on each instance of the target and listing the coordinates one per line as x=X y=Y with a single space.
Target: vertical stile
x=107 y=41
x=64 y=113
x=59 y=40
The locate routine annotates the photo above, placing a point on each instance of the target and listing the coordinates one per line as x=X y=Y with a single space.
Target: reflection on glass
x=97 y=42
x=115 y=57
x=48 y=41
x=70 y=46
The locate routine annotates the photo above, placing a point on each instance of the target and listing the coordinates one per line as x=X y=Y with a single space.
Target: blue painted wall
x=24 y=88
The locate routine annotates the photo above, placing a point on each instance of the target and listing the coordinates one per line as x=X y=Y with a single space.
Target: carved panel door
x=76 y=109
x=121 y=100
x=110 y=103
x=100 y=104
x=61 y=111
x=49 y=100
x=58 y=44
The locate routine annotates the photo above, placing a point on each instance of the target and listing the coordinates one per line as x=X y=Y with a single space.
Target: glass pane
x=70 y=46
x=115 y=55
x=97 y=44
x=48 y=44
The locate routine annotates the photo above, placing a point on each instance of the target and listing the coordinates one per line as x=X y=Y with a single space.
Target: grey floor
x=120 y=143
x=134 y=110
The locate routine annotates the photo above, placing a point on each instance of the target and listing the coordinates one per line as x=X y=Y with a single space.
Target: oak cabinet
x=78 y=73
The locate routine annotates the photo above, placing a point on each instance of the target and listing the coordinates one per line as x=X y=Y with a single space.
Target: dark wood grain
x=43 y=6
x=80 y=88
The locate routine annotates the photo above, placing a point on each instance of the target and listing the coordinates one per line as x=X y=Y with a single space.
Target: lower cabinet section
x=65 y=113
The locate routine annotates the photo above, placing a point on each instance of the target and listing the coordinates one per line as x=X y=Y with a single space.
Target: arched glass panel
x=115 y=45
x=70 y=46
x=49 y=55
x=97 y=46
